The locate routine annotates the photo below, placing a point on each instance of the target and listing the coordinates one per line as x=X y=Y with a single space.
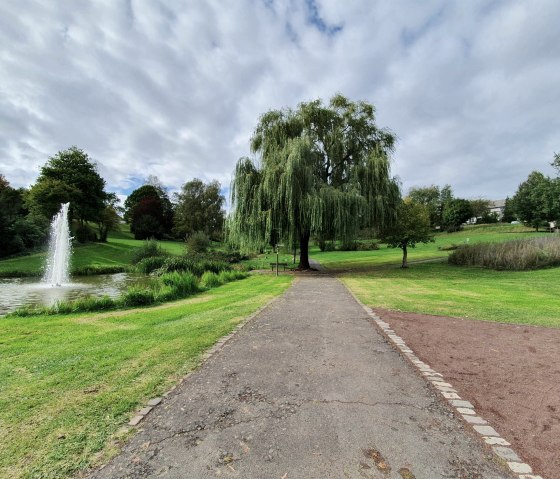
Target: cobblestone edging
x=464 y=408
x=142 y=413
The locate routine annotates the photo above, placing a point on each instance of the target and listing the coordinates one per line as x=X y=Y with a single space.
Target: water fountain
x=60 y=247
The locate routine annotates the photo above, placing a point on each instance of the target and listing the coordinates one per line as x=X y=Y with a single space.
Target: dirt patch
x=510 y=373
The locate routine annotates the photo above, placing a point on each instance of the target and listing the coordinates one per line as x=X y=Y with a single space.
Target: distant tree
x=323 y=171
x=199 y=207
x=148 y=200
x=434 y=198
x=109 y=218
x=456 y=212
x=556 y=162
x=509 y=213
x=535 y=200
x=480 y=209
x=411 y=227
x=147 y=218
x=84 y=185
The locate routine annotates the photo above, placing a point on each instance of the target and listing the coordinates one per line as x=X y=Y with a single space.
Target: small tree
x=455 y=213
x=535 y=200
x=412 y=227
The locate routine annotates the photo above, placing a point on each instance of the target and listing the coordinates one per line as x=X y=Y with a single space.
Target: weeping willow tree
x=320 y=170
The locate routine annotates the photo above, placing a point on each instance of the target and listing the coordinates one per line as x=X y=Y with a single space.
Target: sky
x=175 y=88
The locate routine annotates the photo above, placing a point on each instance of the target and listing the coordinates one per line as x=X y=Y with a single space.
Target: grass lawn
x=68 y=383
x=525 y=297
x=116 y=252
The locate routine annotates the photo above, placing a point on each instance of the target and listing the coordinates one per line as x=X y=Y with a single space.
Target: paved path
x=307 y=389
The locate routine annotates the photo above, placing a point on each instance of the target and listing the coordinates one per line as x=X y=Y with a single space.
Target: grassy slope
x=69 y=382
x=528 y=297
x=116 y=252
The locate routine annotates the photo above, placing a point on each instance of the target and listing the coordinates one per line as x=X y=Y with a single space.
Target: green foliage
x=509 y=213
x=149 y=212
x=182 y=283
x=198 y=243
x=150 y=264
x=324 y=172
x=138 y=296
x=47 y=194
x=149 y=249
x=516 y=255
x=210 y=280
x=84 y=233
x=199 y=207
x=434 y=198
x=79 y=179
x=537 y=200
x=456 y=212
x=197 y=267
x=412 y=227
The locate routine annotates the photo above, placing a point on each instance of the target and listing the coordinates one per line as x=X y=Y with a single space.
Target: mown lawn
x=524 y=297
x=68 y=383
x=432 y=286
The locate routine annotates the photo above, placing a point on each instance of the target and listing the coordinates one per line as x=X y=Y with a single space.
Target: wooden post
x=277 y=260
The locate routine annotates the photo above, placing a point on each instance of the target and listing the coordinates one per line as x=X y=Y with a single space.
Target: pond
x=18 y=292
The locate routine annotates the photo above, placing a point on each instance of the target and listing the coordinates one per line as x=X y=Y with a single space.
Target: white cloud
x=174 y=89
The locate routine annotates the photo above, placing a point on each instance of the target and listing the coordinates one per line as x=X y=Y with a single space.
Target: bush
x=183 y=284
x=228 y=276
x=448 y=247
x=149 y=249
x=198 y=243
x=368 y=246
x=138 y=296
x=210 y=280
x=524 y=254
x=348 y=246
x=194 y=266
x=84 y=233
x=151 y=263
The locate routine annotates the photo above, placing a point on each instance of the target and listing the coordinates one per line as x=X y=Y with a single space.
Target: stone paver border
x=465 y=410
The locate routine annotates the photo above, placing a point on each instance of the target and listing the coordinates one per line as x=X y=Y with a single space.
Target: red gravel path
x=511 y=374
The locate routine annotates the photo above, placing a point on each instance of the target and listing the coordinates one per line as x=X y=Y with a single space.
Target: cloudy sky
x=175 y=88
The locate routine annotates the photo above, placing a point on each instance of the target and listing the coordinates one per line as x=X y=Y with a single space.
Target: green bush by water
x=149 y=249
x=516 y=255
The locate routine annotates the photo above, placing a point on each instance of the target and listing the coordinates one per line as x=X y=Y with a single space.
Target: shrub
x=149 y=249
x=198 y=243
x=210 y=280
x=151 y=263
x=448 y=247
x=228 y=276
x=183 y=283
x=194 y=266
x=524 y=254
x=348 y=246
x=138 y=296
x=92 y=270
x=368 y=246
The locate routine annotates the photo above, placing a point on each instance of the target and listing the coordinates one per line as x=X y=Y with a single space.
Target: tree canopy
x=76 y=179
x=149 y=211
x=537 y=200
x=411 y=227
x=199 y=207
x=434 y=198
x=324 y=170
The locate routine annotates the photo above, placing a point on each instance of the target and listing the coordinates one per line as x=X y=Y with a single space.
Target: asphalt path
x=307 y=389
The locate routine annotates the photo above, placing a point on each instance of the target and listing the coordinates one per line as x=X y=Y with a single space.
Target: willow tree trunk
x=404 y=256
x=304 y=251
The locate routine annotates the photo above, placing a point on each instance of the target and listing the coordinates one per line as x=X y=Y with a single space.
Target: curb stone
x=463 y=408
x=218 y=346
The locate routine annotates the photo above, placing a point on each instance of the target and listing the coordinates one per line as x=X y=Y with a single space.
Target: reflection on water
x=17 y=292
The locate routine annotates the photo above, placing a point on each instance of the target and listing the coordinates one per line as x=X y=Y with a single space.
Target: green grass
x=263 y=261
x=434 y=287
x=523 y=297
x=117 y=252
x=363 y=260
x=69 y=383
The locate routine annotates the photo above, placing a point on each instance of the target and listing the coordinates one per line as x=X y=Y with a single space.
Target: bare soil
x=509 y=372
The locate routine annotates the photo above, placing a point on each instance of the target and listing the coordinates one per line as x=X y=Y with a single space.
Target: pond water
x=17 y=292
